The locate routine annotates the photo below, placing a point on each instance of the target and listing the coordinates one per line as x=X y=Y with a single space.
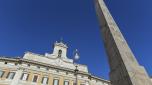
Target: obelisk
x=124 y=68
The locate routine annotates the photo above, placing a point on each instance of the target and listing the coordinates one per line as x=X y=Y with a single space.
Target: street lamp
x=76 y=57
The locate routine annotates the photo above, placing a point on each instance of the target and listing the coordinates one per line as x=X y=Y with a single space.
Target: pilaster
x=61 y=80
x=79 y=82
x=70 y=82
x=40 y=78
x=50 y=82
x=17 y=76
x=30 y=76
x=5 y=74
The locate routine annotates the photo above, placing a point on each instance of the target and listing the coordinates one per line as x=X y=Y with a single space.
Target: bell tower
x=60 y=50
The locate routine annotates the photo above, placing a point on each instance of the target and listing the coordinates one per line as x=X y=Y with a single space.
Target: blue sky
x=34 y=25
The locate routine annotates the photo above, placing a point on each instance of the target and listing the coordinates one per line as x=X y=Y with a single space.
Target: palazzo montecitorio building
x=48 y=69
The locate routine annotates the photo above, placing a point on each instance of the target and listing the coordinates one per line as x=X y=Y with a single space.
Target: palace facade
x=48 y=69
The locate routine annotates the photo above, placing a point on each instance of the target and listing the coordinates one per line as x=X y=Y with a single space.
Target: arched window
x=59 y=53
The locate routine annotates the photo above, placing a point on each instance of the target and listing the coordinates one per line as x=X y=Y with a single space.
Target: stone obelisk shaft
x=124 y=68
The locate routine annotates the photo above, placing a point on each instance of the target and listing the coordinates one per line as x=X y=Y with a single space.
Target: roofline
x=21 y=60
x=51 y=58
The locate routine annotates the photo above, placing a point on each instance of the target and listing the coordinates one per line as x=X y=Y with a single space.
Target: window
x=5 y=63
x=1 y=73
x=47 y=68
x=45 y=80
x=59 y=53
x=74 y=83
x=15 y=64
x=57 y=70
x=55 y=82
x=35 y=78
x=38 y=67
x=67 y=73
x=10 y=75
x=28 y=65
x=66 y=82
x=24 y=76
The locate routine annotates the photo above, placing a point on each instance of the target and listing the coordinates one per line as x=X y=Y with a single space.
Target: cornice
x=21 y=60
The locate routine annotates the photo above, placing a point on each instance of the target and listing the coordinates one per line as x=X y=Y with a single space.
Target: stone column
x=17 y=76
x=124 y=68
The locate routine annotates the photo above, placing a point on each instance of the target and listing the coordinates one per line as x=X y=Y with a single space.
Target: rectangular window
x=10 y=75
x=35 y=78
x=55 y=82
x=74 y=83
x=45 y=80
x=24 y=76
x=1 y=73
x=66 y=82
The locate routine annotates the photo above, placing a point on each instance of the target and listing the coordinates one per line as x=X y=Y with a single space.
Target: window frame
x=8 y=76
x=46 y=81
x=60 y=53
x=65 y=82
x=22 y=77
x=33 y=80
x=54 y=81
x=3 y=72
